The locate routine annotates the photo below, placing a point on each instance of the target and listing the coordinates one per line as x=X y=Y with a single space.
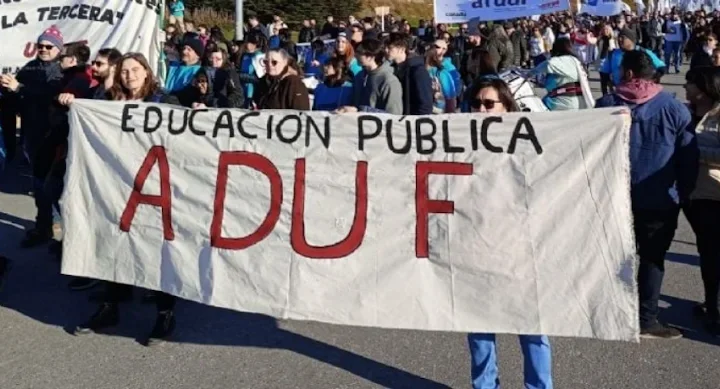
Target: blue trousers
x=537 y=366
x=673 y=49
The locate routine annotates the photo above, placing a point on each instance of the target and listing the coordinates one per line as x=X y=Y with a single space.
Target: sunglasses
x=271 y=62
x=98 y=63
x=488 y=104
x=44 y=47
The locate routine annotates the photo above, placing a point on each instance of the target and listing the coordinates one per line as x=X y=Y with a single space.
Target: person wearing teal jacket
x=343 y=49
x=250 y=70
x=445 y=91
x=627 y=41
x=181 y=74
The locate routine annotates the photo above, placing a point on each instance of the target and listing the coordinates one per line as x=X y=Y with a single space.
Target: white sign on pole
x=459 y=11
x=455 y=222
x=129 y=26
x=603 y=7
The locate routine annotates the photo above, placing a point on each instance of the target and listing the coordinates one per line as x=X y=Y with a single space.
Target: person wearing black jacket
x=519 y=41
x=212 y=88
x=703 y=55
x=307 y=33
x=416 y=84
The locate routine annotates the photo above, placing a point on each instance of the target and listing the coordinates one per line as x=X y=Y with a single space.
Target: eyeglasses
x=44 y=47
x=487 y=103
x=271 y=62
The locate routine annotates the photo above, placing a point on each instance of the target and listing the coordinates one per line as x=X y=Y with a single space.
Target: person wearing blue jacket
x=444 y=90
x=180 y=74
x=336 y=90
x=414 y=77
x=627 y=40
x=663 y=169
x=315 y=59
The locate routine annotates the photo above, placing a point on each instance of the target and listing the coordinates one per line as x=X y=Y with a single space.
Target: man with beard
x=103 y=72
x=37 y=84
x=180 y=74
x=627 y=40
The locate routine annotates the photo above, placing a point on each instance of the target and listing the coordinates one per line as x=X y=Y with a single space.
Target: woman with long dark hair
x=492 y=95
x=134 y=81
x=703 y=212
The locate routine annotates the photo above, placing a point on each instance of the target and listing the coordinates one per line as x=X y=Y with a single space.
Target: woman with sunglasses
x=492 y=95
x=282 y=86
x=703 y=211
x=251 y=64
x=134 y=81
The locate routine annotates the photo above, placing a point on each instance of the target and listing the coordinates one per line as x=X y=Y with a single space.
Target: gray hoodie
x=378 y=89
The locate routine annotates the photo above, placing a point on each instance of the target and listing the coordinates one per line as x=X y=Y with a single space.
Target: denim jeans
x=654 y=232
x=673 y=49
x=537 y=366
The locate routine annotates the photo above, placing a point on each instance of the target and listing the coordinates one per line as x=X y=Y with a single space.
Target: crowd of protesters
x=424 y=70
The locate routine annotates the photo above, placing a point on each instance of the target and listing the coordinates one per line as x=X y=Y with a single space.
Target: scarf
x=638 y=91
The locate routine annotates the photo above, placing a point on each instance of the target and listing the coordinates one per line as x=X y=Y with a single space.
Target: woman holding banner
x=492 y=95
x=134 y=81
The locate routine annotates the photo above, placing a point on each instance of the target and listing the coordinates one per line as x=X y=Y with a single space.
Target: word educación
x=157 y=155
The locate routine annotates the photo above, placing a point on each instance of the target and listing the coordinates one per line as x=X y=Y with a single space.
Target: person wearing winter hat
x=37 y=84
x=181 y=74
x=627 y=41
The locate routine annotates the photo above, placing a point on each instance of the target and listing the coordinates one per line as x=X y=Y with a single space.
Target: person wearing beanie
x=627 y=41
x=181 y=74
x=37 y=84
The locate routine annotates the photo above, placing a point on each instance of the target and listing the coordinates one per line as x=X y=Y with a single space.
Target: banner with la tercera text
x=519 y=223
x=460 y=11
x=128 y=25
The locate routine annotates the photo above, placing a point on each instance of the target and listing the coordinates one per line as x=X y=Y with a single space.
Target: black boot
x=106 y=316
x=35 y=238
x=164 y=327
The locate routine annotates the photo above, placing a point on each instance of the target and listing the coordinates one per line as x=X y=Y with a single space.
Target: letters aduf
x=164 y=200
x=424 y=205
x=354 y=238
x=264 y=166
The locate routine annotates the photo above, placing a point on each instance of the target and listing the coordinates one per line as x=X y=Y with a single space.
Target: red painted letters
x=264 y=166
x=425 y=206
x=156 y=153
x=354 y=238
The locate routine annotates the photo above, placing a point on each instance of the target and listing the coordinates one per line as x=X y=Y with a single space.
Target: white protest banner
x=460 y=11
x=128 y=25
x=517 y=224
x=604 y=7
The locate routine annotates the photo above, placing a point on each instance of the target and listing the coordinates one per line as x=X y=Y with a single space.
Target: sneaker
x=106 y=316
x=81 y=283
x=659 y=331
x=5 y=265
x=34 y=238
x=164 y=327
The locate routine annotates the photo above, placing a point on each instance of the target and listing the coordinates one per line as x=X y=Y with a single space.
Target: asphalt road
x=215 y=348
